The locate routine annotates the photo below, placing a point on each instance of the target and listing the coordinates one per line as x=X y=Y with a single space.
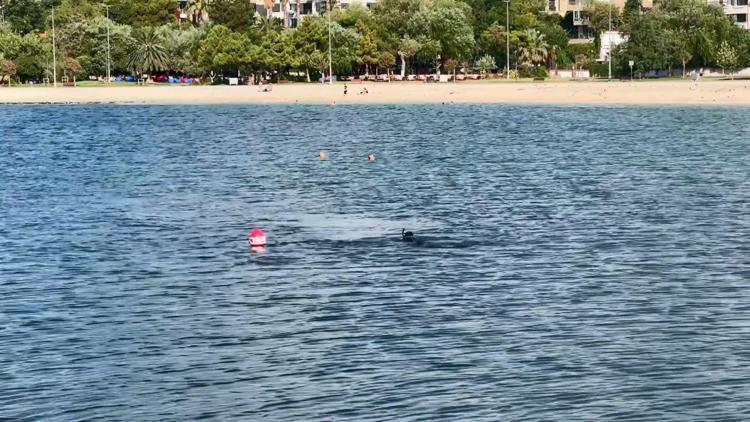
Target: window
x=741 y=18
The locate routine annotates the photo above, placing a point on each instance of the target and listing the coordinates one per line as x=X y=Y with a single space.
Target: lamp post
x=54 y=57
x=330 y=56
x=507 y=39
x=109 y=76
x=609 y=37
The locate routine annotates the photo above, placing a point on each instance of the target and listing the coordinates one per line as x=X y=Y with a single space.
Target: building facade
x=577 y=10
x=306 y=8
x=737 y=10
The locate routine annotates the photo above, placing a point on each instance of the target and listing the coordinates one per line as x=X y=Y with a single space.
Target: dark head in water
x=407 y=236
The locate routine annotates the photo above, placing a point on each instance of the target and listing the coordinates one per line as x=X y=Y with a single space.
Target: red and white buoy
x=257 y=238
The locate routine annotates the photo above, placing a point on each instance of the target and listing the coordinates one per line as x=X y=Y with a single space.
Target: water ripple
x=573 y=263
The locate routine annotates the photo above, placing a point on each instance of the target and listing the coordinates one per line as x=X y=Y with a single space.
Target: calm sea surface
x=576 y=263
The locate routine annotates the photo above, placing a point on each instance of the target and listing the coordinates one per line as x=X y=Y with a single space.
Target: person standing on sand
x=345 y=89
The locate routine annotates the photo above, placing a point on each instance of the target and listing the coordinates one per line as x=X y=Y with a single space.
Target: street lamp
x=109 y=76
x=609 y=36
x=54 y=57
x=330 y=60
x=507 y=39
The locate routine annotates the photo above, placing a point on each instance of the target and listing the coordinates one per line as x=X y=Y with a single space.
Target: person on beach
x=345 y=89
x=694 y=77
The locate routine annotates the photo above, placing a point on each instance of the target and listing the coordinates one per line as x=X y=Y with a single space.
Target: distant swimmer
x=323 y=155
x=407 y=236
x=371 y=157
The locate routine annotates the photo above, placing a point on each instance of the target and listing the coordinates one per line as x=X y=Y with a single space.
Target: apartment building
x=577 y=8
x=737 y=10
x=307 y=8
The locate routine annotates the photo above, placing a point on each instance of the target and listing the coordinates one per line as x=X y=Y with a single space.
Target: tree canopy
x=225 y=37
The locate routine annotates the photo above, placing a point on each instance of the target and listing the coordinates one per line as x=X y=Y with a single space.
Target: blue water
x=577 y=263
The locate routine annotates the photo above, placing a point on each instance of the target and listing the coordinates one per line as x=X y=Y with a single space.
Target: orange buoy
x=257 y=238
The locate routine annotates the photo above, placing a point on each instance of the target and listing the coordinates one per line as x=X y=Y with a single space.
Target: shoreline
x=705 y=93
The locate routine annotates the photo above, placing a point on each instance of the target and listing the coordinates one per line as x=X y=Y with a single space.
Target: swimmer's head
x=371 y=157
x=323 y=155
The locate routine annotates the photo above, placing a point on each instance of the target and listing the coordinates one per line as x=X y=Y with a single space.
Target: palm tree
x=266 y=25
x=533 y=49
x=149 y=54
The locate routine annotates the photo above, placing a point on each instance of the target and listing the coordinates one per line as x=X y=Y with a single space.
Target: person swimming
x=407 y=236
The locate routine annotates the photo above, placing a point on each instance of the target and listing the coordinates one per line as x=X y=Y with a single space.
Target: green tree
x=367 y=50
x=148 y=53
x=631 y=11
x=181 y=46
x=727 y=57
x=345 y=48
x=386 y=61
x=557 y=42
x=394 y=20
x=10 y=43
x=140 y=13
x=237 y=15
x=308 y=50
x=72 y=68
x=25 y=16
x=533 y=48
x=598 y=13
x=447 y=23
x=274 y=52
x=224 y=50
x=355 y=14
x=493 y=39
x=651 y=44
x=33 y=57
x=7 y=70
x=485 y=64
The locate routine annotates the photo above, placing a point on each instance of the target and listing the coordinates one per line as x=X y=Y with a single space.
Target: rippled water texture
x=577 y=263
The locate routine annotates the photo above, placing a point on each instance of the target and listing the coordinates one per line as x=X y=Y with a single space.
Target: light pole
x=609 y=37
x=54 y=57
x=330 y=56
x=507 y=39
x=109 y=76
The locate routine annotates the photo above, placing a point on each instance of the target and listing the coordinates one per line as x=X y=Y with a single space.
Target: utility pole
x=507 y=39
x=54 y=57
x=609 y=36
x=330 y=55
x=109 y=75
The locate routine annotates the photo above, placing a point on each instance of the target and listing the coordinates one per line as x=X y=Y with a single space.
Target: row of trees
x=674 y=34
x=398 y=35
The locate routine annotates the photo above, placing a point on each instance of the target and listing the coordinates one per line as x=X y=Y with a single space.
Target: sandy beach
x=736 y=93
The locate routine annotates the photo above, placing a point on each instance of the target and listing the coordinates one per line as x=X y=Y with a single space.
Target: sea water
x=575 y=263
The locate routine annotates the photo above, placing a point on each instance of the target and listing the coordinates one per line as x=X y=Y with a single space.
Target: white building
x=307 y=8
x=609 y=40
x=737 y=10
